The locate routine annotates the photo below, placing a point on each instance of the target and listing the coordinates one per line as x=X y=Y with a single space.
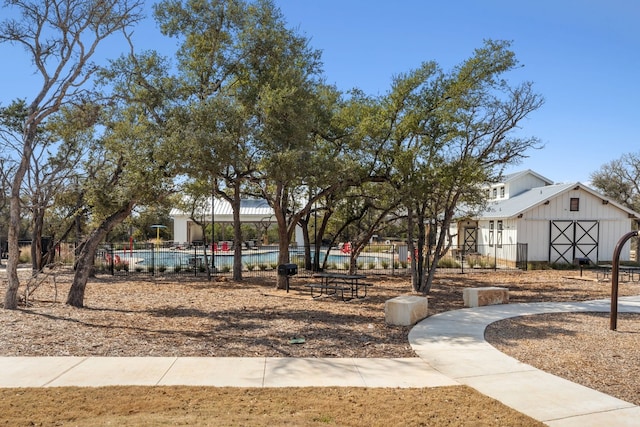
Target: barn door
x=470 y=239
x=573 y=239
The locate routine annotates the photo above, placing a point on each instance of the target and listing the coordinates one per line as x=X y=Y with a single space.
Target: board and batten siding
x=522 y=184
x=509 y=239
x=534 y=227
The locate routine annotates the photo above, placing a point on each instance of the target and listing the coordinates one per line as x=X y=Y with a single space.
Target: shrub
x=385 y=264
x=25 y=255
x=262 y=267
x=562 y=266
x=448 y=262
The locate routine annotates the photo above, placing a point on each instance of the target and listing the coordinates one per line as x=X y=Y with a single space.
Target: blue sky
x=582 y=55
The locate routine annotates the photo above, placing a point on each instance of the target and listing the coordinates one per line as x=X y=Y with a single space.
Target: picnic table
x=604 y=270
x=339 y=283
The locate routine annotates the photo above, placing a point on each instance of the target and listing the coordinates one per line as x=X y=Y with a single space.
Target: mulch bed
x=189 y=317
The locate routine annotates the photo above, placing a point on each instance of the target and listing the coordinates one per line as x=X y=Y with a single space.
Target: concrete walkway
x=453 y=343
x=451 y=347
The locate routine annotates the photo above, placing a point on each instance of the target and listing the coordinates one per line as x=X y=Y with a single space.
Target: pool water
x=187 y=259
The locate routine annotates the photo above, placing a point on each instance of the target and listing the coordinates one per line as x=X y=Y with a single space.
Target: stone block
x=490 y=295
x=405 y=310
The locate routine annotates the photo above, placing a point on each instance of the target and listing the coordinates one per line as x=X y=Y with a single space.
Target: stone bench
x=405 y=310
x=490 y=295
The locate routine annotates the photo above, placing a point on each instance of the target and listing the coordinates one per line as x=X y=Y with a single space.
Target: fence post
x=393 y=259
x=111 y=260
x=153 y=259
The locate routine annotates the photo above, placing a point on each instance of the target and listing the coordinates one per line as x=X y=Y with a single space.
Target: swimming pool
x=146 y=259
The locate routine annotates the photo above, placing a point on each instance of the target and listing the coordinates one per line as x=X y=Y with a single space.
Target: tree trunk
x=36 y=240
x=84 y=263
x=308 y=262
x=279 y=212
x=283 y=256
x=415 y=282
x=13 y=283
x=237 y=236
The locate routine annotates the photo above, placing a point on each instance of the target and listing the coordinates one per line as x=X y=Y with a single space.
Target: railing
x=494 y=257
x=151 y=259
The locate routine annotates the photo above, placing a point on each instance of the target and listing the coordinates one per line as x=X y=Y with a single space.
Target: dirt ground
x=185 y=317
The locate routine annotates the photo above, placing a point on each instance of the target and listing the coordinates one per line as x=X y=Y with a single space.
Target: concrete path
x=217 y=372
x=450 y=346
x=453 y=343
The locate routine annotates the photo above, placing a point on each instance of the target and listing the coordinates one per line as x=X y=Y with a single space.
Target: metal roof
x=512 y=176
x=248 y=207
x=514 y=206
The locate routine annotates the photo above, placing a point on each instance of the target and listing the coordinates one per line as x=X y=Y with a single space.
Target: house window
x=491 y=224
x=499 y=235
x=574 y=204
x=495 y=193
x=502 y=192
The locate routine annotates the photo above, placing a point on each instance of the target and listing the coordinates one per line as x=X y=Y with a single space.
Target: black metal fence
x=503 y=257
x=166 y=259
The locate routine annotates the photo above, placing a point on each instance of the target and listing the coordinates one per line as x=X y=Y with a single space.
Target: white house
x=252 y=211
x=559 y=223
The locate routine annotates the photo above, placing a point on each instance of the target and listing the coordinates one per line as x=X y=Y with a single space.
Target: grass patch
x=344 y=406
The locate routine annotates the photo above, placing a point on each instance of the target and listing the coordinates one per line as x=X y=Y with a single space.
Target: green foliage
x=448 y=262
x=620 y=180
x=562 y=266
x=25 y=255
x=480 y=261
